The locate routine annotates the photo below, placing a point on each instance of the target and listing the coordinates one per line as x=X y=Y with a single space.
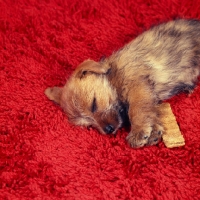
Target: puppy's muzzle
x=122 y=119
x=111 y=120
x=109 y=129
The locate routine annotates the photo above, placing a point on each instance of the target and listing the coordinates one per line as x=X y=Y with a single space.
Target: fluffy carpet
x=43 y=156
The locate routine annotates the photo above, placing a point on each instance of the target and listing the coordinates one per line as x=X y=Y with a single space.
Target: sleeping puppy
x=155 y=66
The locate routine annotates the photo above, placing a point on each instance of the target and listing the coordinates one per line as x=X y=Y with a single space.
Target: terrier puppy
x=158 y=64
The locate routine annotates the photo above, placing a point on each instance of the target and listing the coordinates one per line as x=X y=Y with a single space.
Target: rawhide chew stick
x=172 y=136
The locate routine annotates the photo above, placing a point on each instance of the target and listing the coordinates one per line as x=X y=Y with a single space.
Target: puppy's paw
x=156 y=135
x=149 y=135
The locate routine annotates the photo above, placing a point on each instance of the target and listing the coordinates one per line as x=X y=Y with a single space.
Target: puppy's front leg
x=146 y=128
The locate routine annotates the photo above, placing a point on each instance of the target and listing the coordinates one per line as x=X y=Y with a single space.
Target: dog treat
x=172 y=136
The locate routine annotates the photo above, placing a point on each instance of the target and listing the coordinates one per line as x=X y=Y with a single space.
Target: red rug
x=42 y=156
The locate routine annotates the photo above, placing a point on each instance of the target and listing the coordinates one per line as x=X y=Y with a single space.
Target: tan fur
x=158 y=64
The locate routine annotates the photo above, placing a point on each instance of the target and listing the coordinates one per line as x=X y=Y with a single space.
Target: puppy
x=155 y=66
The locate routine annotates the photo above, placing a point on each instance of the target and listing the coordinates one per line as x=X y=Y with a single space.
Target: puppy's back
x=167 y=56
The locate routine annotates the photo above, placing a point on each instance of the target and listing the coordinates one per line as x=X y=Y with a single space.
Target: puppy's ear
x=89 y=66
x=54 y=94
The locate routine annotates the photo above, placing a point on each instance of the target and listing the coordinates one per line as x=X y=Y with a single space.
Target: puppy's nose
x=109 y=129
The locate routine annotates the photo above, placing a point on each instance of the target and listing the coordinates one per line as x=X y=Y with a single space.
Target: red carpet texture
x=43 y=156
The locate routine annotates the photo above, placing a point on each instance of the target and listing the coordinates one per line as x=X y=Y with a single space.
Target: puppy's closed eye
x=94 y=105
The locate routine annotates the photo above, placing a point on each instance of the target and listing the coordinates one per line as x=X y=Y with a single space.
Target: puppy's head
x=88 y=98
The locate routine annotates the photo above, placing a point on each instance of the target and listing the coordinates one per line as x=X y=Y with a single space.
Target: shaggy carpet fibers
x=43 y=156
